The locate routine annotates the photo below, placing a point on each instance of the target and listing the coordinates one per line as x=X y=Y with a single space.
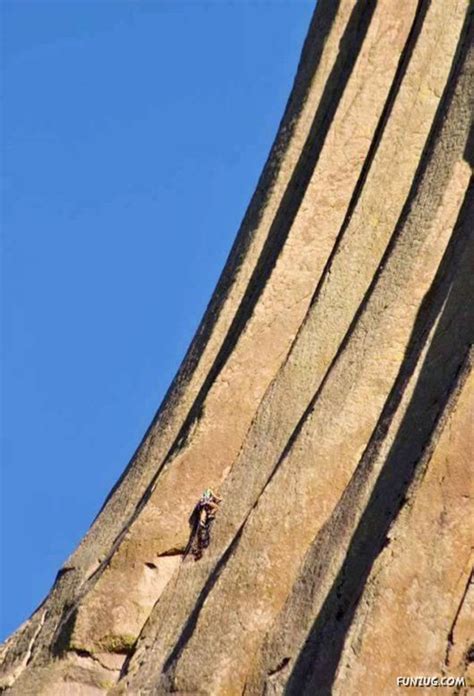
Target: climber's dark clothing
x=200 y=522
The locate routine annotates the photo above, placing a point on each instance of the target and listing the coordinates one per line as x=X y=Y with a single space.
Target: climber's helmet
x=207 y=495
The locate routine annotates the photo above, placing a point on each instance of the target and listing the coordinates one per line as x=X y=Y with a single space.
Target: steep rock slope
x=327 y=395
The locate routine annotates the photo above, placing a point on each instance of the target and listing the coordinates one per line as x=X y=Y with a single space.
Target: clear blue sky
x=133 y=134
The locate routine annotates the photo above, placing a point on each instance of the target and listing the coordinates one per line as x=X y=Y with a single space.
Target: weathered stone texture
x=327 y=395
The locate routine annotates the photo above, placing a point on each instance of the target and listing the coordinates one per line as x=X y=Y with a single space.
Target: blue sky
x=133 y=135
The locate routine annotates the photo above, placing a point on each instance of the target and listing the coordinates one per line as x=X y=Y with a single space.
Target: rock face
x=327 y=396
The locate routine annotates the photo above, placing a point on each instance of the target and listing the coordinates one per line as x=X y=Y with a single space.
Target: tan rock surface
x=327 y=395
x=407 y=621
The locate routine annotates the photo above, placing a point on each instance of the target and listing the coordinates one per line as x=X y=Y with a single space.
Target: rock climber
x=200 y=522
